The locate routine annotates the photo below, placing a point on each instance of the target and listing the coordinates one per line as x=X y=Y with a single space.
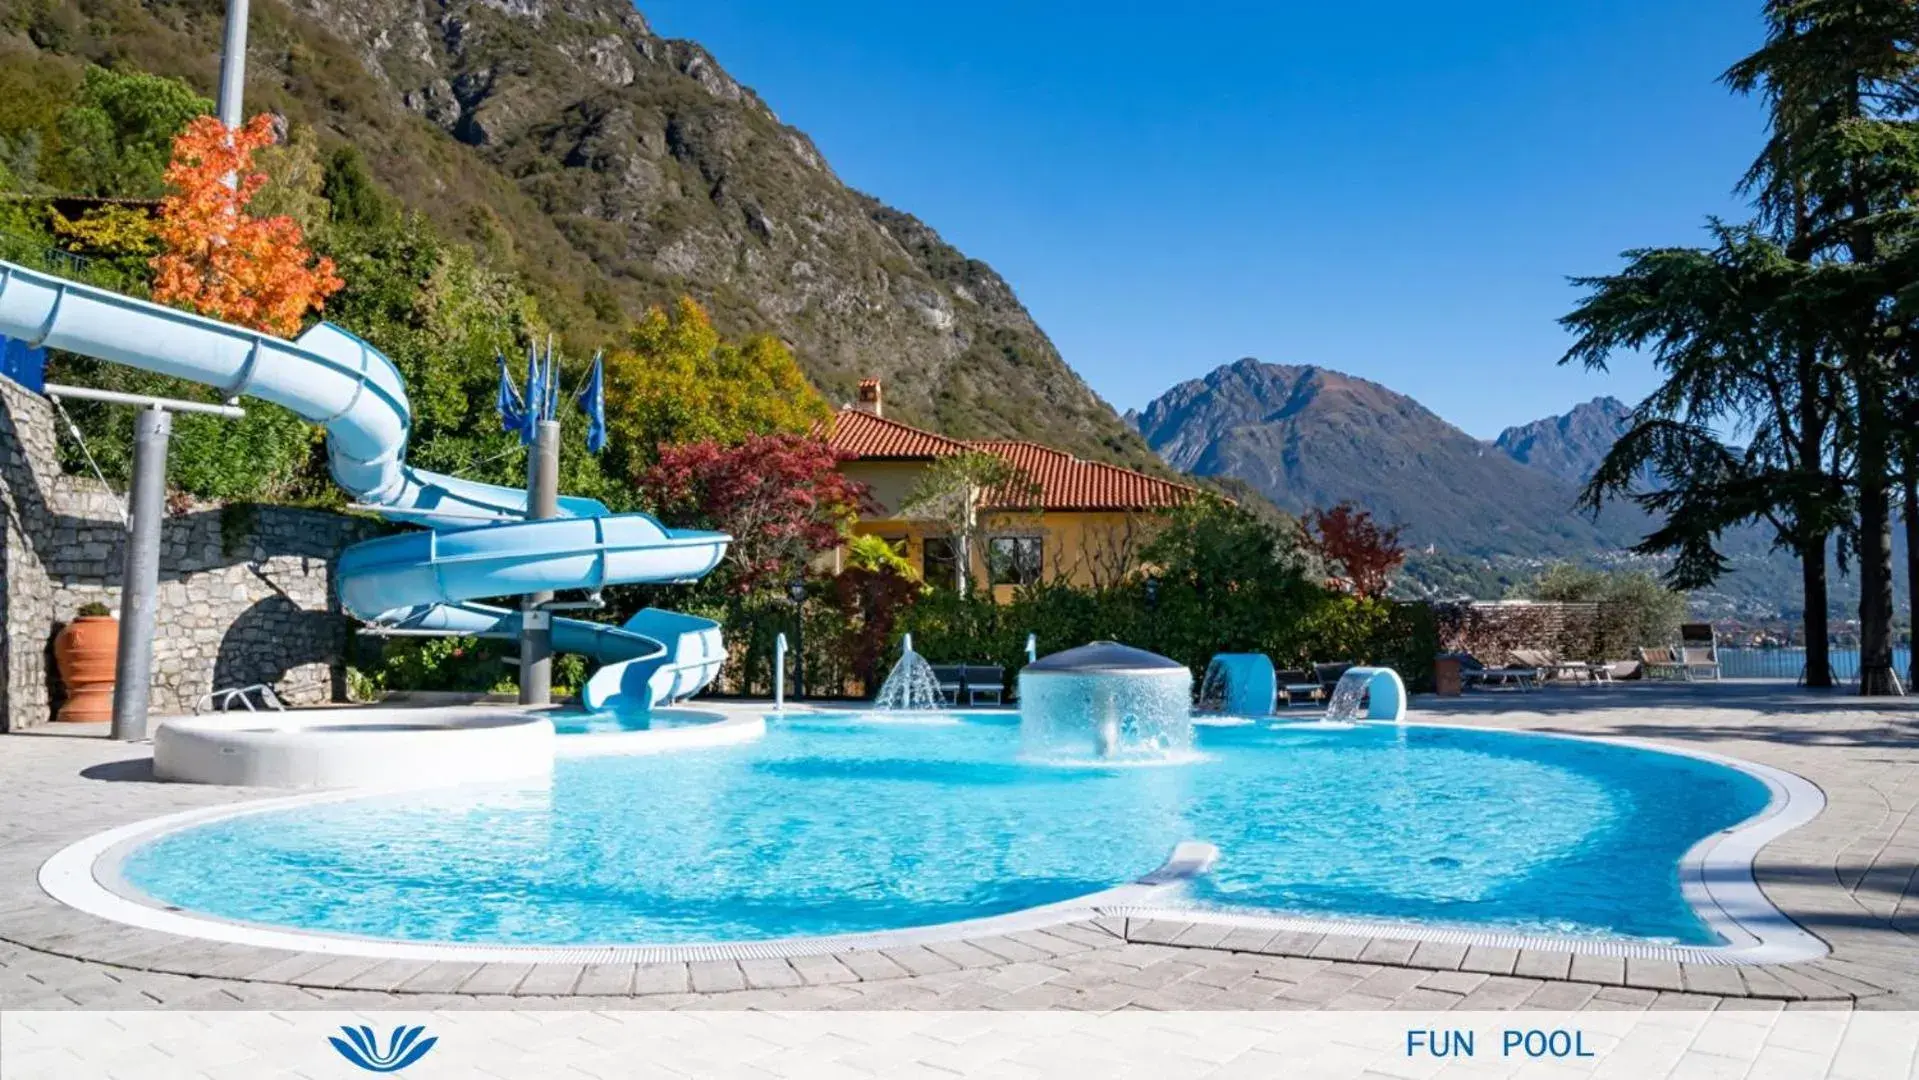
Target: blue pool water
x=838 y=824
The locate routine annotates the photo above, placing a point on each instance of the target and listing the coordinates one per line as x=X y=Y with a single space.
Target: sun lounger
x=952 y=681
x=1662 y=662
x=1328 y=676
x=984 y=680
x=1473 y=671
x=1298 y=687
x=1550 y=666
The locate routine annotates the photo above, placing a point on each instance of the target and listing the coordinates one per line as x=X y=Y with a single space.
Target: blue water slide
x=475 y=541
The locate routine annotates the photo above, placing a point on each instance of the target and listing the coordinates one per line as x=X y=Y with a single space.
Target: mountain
x=1572 y=445
x=1309 y=437
x=612 y=168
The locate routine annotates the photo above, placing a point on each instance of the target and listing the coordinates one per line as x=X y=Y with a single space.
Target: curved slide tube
x=477 y=542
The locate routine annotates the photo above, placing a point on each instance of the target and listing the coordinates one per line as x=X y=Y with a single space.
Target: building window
x=1013 y=560
x=939 y=562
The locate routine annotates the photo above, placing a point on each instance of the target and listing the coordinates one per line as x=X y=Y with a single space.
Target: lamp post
x=796 y=592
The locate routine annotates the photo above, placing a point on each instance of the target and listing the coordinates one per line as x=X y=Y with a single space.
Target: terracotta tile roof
x=1065 y=482
x=862 y=435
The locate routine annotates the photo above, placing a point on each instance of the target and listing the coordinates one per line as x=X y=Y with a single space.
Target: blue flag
x=23 y=364
x=592 y=399
x=535 y=397
x=506 y=402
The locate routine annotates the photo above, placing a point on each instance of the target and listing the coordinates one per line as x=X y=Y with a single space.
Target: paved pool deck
x=1850 y=876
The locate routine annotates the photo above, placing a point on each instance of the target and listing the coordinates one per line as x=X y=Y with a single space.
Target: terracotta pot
x=85 y=652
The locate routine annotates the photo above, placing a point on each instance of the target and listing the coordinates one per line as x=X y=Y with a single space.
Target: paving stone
x=1438 y=955
x=1653 y=974
x=708 y=976
x=1537 y=964
x=1560 y=996
x=1719 y=980
x=871 y=965
x=553 y=979
x=1339 y=947
x=662 y=979
x=769 y=973
x=1388 y=951
x=1607 y=970
x=821 y=970
x=1489 y=959
x=1454 y=982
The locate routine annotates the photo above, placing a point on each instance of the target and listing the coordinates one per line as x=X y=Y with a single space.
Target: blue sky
x=1393 y=189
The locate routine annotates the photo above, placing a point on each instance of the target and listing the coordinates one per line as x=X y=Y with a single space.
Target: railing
x=1789 y=663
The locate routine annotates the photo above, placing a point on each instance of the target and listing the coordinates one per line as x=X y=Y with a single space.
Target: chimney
x=868 y=400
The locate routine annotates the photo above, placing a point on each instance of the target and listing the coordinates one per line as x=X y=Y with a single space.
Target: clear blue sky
x=1394 y=189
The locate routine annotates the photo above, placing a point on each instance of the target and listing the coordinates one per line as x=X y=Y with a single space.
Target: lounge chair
x=1550 y=666
x=1298 y=687
x=984 y=680
x=1662 y=662
x=1472 y=671
x=1328 y=676
x=1700 y=662
x=1699 y=650
x=952 y=681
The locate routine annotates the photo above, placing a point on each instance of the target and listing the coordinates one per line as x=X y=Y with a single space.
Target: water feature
x=911 y=685
x=1238 y=684
x=1377 y=690
x=1106 y=702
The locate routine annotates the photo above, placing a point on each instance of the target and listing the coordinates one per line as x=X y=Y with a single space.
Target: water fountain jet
x=1106 y=702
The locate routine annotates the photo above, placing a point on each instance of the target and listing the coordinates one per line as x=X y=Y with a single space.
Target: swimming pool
x=837 y=824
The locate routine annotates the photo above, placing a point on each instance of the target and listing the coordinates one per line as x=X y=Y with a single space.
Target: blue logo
x=403 y=1048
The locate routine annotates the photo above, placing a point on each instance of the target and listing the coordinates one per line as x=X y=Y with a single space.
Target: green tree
x=118 y=135
x=1729 y=329
x=676 y=382
x=1799 y=330
x=966 y=495
x=1839 y=176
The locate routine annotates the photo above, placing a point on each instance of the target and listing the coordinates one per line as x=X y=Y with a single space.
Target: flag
x=535 y=397
x=23 y=364
x=592 y=401
x=506 y=401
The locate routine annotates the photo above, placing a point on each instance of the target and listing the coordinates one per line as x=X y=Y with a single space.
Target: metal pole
x=233 y=64
x=140 y=583
x=536 y=623
x=779 y=673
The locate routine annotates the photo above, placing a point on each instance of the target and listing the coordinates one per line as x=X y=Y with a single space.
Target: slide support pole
x=140 y=582
x=536 y=623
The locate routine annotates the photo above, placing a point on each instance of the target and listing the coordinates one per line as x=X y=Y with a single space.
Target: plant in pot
x=85 y=652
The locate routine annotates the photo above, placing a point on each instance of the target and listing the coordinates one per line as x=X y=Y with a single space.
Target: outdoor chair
x=1698 y=650
x=1700 y=661
x=1662 y=662
x=1327 y=675
x=1299 y=687
x=984 y=680
x=1550 y=666
x=952 y=681
x=1472 y=671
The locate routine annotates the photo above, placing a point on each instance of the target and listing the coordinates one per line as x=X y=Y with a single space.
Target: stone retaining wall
x=246 y=592
x=1491 y=630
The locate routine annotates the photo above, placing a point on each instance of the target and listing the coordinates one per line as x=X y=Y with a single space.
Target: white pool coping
x=1716 y=878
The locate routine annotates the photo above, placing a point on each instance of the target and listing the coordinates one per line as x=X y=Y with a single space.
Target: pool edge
x=1717 y=879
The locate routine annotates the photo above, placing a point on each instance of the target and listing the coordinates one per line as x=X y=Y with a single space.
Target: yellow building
x=1081 y=521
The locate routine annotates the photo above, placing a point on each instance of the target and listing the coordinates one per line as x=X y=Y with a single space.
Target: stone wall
x=246 y=593
x=1491 y=630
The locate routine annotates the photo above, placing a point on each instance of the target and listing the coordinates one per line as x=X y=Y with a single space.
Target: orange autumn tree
x=220 y=260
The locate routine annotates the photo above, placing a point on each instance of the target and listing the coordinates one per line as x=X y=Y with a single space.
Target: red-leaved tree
x=782 y=497
x=220 y=260
x=1349 y=538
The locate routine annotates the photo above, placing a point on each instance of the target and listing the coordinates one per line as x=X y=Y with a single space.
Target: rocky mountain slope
x=613 y=168
x=1571 y=445
x=1309 y=437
